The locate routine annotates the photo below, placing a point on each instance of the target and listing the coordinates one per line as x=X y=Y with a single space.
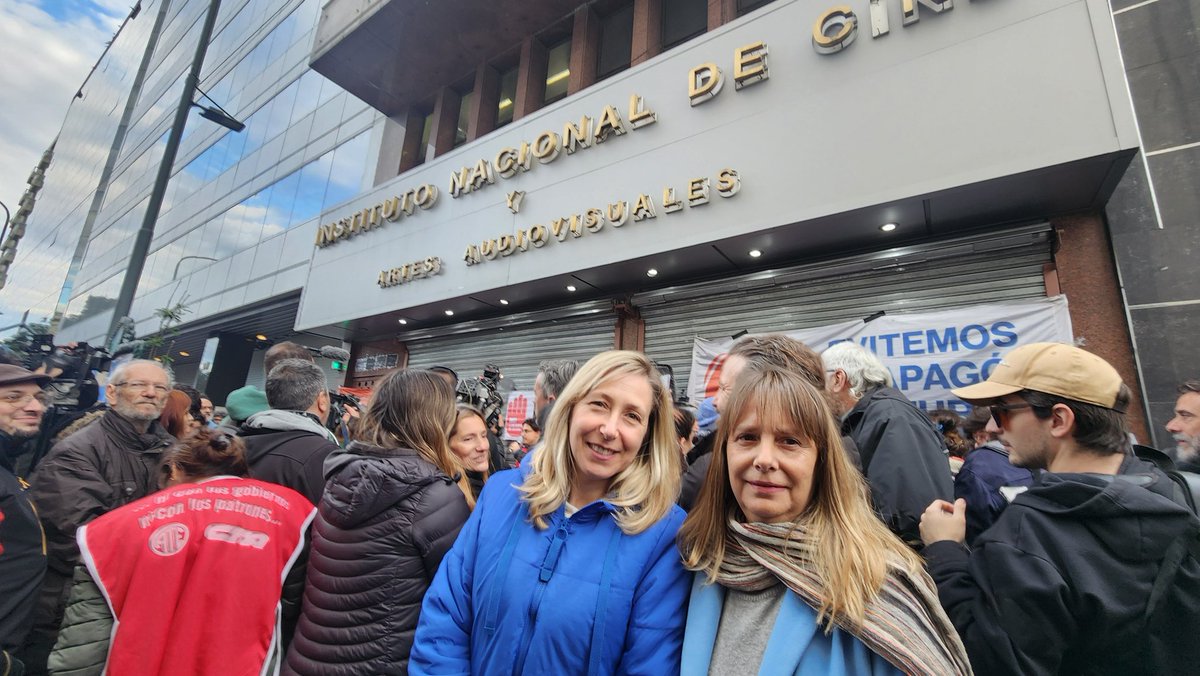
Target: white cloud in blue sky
x=47 y=48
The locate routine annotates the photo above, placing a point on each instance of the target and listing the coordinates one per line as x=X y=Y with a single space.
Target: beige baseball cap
x=1053 y=368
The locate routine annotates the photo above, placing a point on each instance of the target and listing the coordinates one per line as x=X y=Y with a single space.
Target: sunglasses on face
x=1000 y=411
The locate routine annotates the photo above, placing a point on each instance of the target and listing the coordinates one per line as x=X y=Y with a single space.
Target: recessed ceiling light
x=652 y=272
x=888 y=227
x=503 y=302
x=755 y=253
x=403 y=321
x=183 y=353
x=260 y=337
x=571 y=287
x=449 y=313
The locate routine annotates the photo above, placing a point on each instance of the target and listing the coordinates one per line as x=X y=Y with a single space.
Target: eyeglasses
x=19 y=400
x=138 y=385
x=1000 y=411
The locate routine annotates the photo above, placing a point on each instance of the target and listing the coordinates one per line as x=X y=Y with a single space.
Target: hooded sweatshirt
x=1061 y=583
x=386 y=519
x=288 y=448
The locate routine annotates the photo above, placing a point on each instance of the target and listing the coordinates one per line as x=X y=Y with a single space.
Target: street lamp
x=181 y=260
x=141 y=244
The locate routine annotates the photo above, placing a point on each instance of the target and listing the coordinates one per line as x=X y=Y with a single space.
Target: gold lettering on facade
x=410 y=271
x=538 y=236
x=639 y=114
x=834 y=30
x=750 y=65
x=610 y=124
x=618 y=213
x=697 y=193
x=670 y=203
x=546 y=147
x=488 y=249
x=425 y=195
x=514 y=200
x=577 y=136
x=728 y=183
x=391 y=209
x=643 y=208
x=472 y=256
x=507 y=244
x=593 y=220
x=704 y=83
x=482 y=175
x=910 y=12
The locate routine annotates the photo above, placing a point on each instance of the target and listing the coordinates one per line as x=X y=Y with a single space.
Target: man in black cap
x=22 y=556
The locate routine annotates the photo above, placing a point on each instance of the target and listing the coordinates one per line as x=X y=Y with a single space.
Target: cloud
x=47 y=48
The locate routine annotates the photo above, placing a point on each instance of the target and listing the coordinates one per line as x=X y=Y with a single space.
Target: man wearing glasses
x=1092 y=570
x=105 y=465
x=22 y=555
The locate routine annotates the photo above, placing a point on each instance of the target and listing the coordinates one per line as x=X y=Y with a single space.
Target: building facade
x=462 y=183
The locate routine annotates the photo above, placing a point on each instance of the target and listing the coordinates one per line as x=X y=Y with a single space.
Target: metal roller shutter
x=1003 y=266
x=516 y=350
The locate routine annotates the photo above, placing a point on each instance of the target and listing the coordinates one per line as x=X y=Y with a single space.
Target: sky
x=47 y=48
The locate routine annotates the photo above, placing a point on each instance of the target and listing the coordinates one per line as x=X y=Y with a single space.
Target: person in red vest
x=187 y=580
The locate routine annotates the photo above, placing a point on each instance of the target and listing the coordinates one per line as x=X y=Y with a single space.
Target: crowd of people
x=809 y=518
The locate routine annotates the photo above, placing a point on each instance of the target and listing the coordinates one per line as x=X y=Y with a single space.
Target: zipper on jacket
x=549 y=563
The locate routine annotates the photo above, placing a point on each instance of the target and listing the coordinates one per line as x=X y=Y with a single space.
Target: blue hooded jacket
x=579 y=597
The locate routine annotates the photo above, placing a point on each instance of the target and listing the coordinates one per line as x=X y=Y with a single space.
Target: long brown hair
x=854 y=548
x=414 y=409
x=176 y=414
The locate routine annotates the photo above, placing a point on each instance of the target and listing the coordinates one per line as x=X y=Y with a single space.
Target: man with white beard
x=1185 y=427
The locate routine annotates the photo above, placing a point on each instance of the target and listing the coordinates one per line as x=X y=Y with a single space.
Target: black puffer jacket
x=385 y=521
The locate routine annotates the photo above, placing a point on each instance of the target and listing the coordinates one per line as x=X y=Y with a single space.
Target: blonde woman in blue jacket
x=795 y=572
x=568 y=565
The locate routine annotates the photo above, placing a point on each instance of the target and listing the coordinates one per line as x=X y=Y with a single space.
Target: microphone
x=330 y=352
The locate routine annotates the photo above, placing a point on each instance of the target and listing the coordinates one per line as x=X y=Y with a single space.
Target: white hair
x=115 y=376
x=862 y=368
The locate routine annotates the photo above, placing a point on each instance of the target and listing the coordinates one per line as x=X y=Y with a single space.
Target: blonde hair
x=853 y=549
x=414 y=409
x=646 y=490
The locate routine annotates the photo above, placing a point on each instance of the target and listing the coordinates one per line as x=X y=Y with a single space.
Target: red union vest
x=193 y=575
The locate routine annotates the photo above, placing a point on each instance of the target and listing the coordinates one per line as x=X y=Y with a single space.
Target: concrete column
x=647 y=30
x=411 y=152
x=445 y=121
x=531 y=78
x=721 y=12
x=484 y=101
x=1087 y=275
x=585 y=49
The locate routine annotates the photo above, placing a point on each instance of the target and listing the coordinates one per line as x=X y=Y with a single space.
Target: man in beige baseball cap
x=1087 y=571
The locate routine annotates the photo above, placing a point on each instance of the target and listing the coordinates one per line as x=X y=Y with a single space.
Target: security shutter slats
x=518 y=350
x=932 y=282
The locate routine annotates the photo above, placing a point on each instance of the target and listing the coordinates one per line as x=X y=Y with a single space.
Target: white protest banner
x=929 y=353
x=518 y=408
x=709 y=355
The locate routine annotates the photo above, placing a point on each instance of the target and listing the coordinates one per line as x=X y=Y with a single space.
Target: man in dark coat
x=1094 y=569
x=987 y=480
x=22 y=558
x=288 y=443
x=902 y=453
x=103 y=466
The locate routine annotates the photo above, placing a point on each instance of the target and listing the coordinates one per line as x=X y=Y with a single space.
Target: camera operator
x=287 y=444
x=23 y=561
